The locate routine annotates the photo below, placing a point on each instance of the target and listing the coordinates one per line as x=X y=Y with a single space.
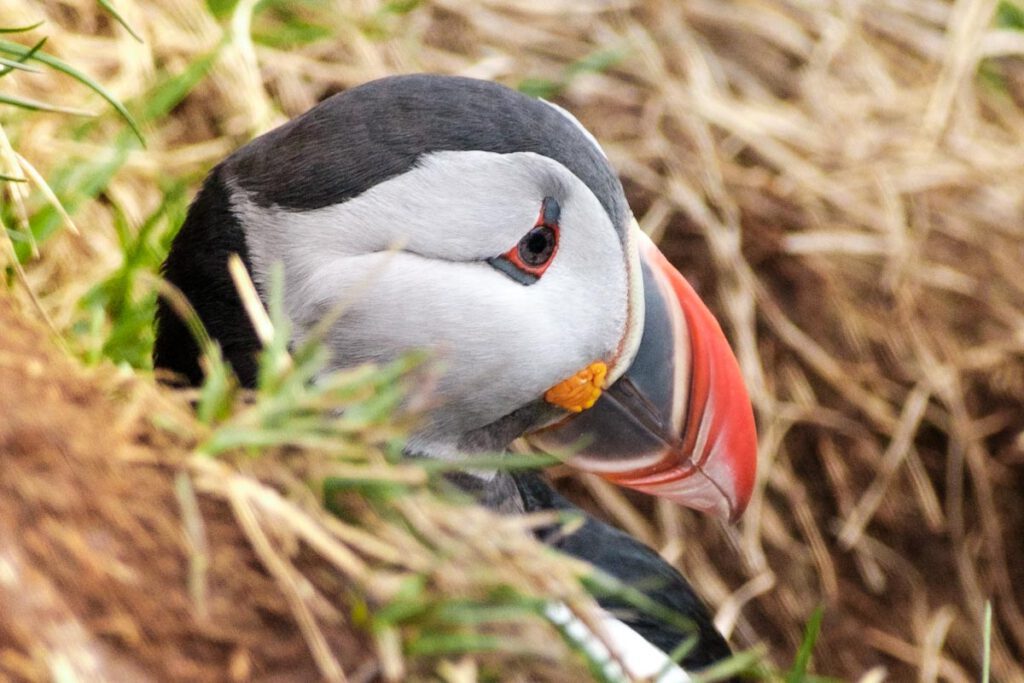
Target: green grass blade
x=539 y=87
x=25 y=57
x=506 y=462
x=1010 y=15
x=22 y=29
x=474 y=613
x=161 y=100
x=105 y=4
x=601 y=584
x=219 y=387
x=739 y=663
x=13 y=179
x=400 y=6
x=36 y=105
x=65 y=68
x=83 y=180
x=453 y=644
x=798 y=673
x=596 y=62
x=16 y=64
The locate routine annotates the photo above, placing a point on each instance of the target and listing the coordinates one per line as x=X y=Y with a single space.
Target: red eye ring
x=536 y=250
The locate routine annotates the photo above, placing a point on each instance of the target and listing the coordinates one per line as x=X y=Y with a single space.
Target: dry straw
x=843 y=181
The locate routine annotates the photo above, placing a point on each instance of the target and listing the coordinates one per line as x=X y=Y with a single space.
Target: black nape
x=198 y=266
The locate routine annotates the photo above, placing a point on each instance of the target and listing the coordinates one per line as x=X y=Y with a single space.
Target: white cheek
x=499 y=344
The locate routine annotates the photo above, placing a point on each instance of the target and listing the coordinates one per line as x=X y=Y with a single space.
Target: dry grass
x=125 y=555
x=843 y=181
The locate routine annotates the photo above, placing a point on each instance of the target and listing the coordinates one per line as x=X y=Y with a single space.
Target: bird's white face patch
x=407 y=259
x=635 y=321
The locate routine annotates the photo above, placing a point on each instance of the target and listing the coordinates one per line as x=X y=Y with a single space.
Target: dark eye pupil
x=537 y=246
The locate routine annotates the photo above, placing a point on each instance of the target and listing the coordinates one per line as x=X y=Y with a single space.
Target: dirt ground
x=98 y=575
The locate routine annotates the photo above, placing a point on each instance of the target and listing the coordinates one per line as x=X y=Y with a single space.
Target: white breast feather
x=642 y=660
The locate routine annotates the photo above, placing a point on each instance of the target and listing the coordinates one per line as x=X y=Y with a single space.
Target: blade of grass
x=36 y=105
x=17 y=64
x=602 y=584
x=105 y=4
x=48 y=193
x=18 y=195
x=453 y=644
x=160 y=100
x=23 y=29
x=23 y=279
x=220 y=386
x=798 y=673
x=258 y=315
x=126 y=309
x=728 y=669
x=497 y=461
x=20 y=50
x=24 y=58
x=82 y=180
x=471 y=612
x=678 y=652
x=596 y=62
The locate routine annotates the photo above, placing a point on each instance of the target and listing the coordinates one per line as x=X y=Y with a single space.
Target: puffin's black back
x=636 y=565
x=337 y=150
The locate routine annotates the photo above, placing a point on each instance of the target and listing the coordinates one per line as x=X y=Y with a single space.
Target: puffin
x=488 y=228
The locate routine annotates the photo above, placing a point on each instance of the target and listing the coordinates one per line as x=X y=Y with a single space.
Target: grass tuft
x=36 y=54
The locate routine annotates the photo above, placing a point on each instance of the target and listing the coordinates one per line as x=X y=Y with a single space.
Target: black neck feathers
x=198 y=266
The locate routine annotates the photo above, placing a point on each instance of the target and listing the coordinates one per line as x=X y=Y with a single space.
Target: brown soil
x=98 y=576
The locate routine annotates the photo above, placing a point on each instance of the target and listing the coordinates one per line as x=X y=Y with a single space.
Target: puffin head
x=463 y=218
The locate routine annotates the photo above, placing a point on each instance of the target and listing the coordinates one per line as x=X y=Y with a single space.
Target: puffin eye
x=528 y=260
x=538 y=246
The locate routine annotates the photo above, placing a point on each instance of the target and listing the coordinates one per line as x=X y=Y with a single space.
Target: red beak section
x=679 y=423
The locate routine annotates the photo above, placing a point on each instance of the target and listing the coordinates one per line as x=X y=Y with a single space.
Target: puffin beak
x=678 y=423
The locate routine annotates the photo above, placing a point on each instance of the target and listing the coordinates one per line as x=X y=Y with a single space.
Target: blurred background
x=843 y=183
